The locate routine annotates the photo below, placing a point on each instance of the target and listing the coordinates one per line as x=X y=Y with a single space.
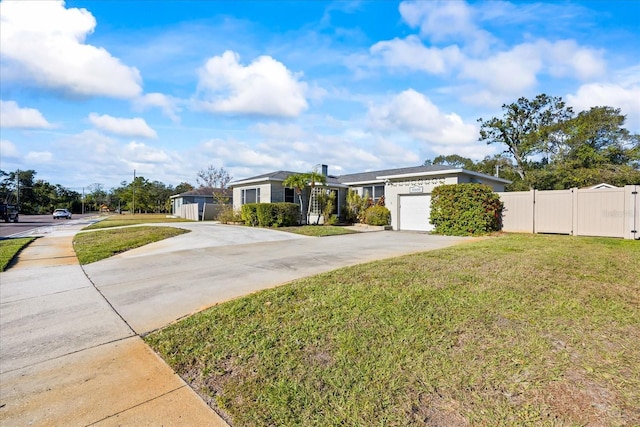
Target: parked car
x=61 y=213
x=8 y=212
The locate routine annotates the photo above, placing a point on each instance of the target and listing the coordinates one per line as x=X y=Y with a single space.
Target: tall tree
x=183 y=187
x=213 y=177
x=452 y=160
x=526 y=128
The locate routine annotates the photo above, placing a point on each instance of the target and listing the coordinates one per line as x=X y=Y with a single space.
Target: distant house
x=202 y=196
x=407 y=191
x=601 y=186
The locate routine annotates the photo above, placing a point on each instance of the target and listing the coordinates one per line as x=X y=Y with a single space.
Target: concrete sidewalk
x=67 y=358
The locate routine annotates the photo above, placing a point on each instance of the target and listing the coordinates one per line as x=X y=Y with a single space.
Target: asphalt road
x=30 y=222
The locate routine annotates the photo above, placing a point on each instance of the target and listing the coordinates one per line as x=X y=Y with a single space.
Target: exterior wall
x=396 y=187
x=606 y=212
x=265 y=193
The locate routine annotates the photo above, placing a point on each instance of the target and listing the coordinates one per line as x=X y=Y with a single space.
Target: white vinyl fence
x=192 y=211
x=189 y=211
x=607 y=212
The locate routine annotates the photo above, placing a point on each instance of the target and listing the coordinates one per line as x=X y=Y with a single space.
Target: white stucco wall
x=394 y=188
x=265 y=193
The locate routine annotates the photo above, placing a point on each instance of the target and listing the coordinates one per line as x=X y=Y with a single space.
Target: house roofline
x=369 y=181
x=254 y=180
x=446 y=171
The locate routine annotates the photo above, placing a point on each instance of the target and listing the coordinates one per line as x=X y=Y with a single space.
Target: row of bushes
x=270 y=214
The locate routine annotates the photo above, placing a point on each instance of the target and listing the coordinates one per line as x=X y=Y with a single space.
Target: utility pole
x=18 y=189
x=134 y=191
x=82 y=200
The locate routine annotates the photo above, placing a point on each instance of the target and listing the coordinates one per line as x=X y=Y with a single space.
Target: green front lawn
x=129 y=219
x=9 y=248
x=511 y=330
x=317 y=230
x=96 y=245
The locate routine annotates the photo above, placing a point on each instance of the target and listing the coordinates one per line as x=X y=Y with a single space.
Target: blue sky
x=93 y=90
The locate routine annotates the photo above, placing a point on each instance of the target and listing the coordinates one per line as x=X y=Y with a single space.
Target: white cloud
x=39 y=157
x=624 y=95
x=135 y=127
x=506 y=73
x=413 y=113
x=411 y=53
x=446 y=20
x=168 y=104
x=12 y=116
x=137 y=152
x=44 y=43
x=8 y=149
x=515 y=72
x=566 y=58
x=264 y=87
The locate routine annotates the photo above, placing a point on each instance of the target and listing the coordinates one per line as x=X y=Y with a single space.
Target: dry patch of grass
x=317 y=230
x=512 y=330
x=96 y=245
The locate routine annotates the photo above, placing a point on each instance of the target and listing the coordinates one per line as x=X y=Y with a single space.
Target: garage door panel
x=414 y=212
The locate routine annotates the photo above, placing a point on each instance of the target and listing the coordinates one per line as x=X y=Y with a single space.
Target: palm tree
x=313 y=178
x=298 y=182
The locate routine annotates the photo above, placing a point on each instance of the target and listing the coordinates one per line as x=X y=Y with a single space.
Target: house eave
x=444 y=172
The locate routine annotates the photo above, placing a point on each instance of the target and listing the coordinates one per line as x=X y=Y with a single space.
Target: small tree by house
x=302 y=180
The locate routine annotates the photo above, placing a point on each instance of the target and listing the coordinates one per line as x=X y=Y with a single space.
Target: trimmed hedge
x=270 y=214
x=465 y=210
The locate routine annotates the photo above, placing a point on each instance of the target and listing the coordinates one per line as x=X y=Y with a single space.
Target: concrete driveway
x=152 y=286
x=70 y=346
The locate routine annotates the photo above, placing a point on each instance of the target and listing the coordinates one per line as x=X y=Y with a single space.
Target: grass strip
x=128 y=220
x=317 y=230
x=513 y=330
x=96 y=245
x=9 y=248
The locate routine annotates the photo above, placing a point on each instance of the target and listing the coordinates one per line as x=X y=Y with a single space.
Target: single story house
x=406 y=191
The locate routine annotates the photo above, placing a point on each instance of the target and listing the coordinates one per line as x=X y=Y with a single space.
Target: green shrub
x=270 y=214
x=227 y=214
x=265 y=213
x=377 y=215
x=465 y=209
x=331 y=220
x=249 y=214
x=356 y=206
x=285 y=214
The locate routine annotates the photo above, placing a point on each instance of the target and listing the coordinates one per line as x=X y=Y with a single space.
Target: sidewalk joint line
x=107 y=301
x=71 y=353
x=137 y=405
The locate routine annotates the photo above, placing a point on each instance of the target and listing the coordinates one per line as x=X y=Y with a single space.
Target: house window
x=373 y=191
x=250 y=195
x=289 y=195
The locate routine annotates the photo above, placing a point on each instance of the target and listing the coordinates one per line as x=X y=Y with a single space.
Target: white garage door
x=414 y=212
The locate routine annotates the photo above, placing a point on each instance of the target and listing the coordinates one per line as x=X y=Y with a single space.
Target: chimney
x=325 y=170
